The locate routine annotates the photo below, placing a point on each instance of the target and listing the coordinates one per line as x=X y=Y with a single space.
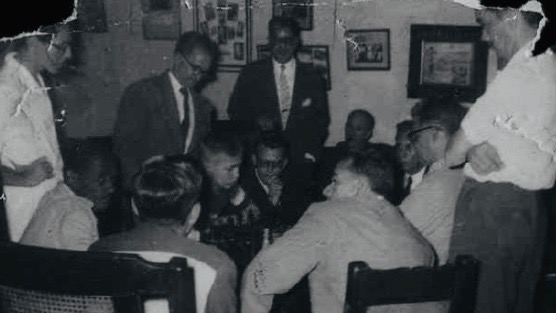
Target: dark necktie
x=407 y=188
x=185 y=122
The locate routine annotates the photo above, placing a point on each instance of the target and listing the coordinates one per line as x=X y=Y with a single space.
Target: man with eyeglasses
x=29 y=150
x=164 y=114
x=430 y=206
x=290 y=94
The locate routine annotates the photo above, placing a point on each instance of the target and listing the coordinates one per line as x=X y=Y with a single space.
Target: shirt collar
x=290 y=65
x=174 y=81
x=265 y=187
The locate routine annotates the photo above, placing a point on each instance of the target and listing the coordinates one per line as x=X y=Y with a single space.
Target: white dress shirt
x=176 y=86
x=417 y=178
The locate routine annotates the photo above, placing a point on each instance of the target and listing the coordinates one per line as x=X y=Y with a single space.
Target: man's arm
x=27 y=175
x=482 y=157
x=79 y=230
x=280 y=266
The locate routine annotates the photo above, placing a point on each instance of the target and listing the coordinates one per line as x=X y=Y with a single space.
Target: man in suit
x=289 y=94
x=164 y=115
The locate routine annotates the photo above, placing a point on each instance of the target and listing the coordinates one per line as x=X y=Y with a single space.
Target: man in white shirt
x=164 y=114
x=498 y=217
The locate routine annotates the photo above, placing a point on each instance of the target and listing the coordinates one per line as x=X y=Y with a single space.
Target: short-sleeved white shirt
x=517 y=115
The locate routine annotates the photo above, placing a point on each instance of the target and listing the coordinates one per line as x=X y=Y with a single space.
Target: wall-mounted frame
x=161 y=19
x=92 y=16
x=446 y=60
x=368 y=49
x=228 y=23
x=317 y=56
x=301 y=10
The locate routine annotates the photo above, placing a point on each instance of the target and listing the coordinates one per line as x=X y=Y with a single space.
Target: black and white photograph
x=296 y=156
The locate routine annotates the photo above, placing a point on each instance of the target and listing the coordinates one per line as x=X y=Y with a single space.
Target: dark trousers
x=503 y=226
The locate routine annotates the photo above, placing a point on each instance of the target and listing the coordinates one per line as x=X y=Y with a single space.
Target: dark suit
x=148 y=123
x=255 y=95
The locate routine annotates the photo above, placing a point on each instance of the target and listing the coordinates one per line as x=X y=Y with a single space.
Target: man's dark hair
x=280 y=22
x=84 y=154
x=364 y=113
x=167 y=189
x=221 y=142
x=444 y=112
x=376 y=168
x=190 y=41
x=404 y=127
x=272 y=140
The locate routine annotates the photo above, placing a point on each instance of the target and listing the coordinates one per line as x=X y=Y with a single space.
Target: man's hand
x=275 y=190
x=484 y=159
x=36 y=172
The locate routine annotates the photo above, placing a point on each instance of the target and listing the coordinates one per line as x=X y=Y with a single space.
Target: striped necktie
x=284 y=96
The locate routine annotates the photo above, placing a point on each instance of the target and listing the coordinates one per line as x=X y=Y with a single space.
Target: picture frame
x=317 y=56
x=161 y=19
x=92 y=16
x=228 y=23
x=447 y=60
x=300 y=10
x=368 y=49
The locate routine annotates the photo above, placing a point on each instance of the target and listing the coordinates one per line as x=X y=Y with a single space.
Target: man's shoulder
x=256 y=66
x=64 y=201
x=148 y=84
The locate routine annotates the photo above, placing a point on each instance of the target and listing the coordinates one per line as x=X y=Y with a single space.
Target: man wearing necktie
x=164 y=114
x=288 y=93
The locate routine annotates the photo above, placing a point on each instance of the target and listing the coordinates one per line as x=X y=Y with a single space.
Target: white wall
x=121 y=56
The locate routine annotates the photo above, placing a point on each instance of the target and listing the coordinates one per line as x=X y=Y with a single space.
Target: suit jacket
x=148 y=123
x=155 y=238
x=255 y=95
x=62 y=221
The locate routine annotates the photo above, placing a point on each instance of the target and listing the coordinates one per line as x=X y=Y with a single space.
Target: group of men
x=185 y=181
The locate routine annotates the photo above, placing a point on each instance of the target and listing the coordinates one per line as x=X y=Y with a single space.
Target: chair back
x=456 y=283
x=34 y=279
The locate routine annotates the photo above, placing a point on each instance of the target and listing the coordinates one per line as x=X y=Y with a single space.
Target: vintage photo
x=229 y=24
x=161 y=19
x=444 y=58
x=300 y=10
x=447 y=63
x=368 y=49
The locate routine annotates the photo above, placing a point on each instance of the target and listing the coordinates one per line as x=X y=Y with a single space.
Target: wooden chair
x=454 y=282
x=43 y=280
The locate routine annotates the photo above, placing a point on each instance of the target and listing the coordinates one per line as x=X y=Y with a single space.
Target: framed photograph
x=161 y=19
x=92 y=16
x=368 y=50
x=228 y=23
x=301 y=10
x=317 y=56
x=447 y=61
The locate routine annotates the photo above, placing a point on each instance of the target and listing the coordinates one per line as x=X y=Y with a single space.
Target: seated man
x=356 y=223
x=65 y=216
x=263 y=181
x=431 y=205
x=166 y=195
x=408 y=159
x=358 y=131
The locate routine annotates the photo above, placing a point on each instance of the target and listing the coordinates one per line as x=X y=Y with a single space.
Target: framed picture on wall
x=368 y=49
x=447 y=61
x=316 y=56
x=301 y=10
x=161 y=19
x=228 y=23
x=92 y=16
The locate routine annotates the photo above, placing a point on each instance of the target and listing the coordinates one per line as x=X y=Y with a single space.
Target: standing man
x=31 y=162
x=498 y=216
x=288 y=93
x=164 y=115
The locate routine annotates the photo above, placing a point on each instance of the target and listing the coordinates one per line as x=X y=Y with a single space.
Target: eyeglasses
x=63 y=48
x=413 y=134
x=197 y=69
x=271 y=165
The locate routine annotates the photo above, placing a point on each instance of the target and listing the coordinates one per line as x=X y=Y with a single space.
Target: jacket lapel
x=200 y=117
x=274 y=106
x=297 y=88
